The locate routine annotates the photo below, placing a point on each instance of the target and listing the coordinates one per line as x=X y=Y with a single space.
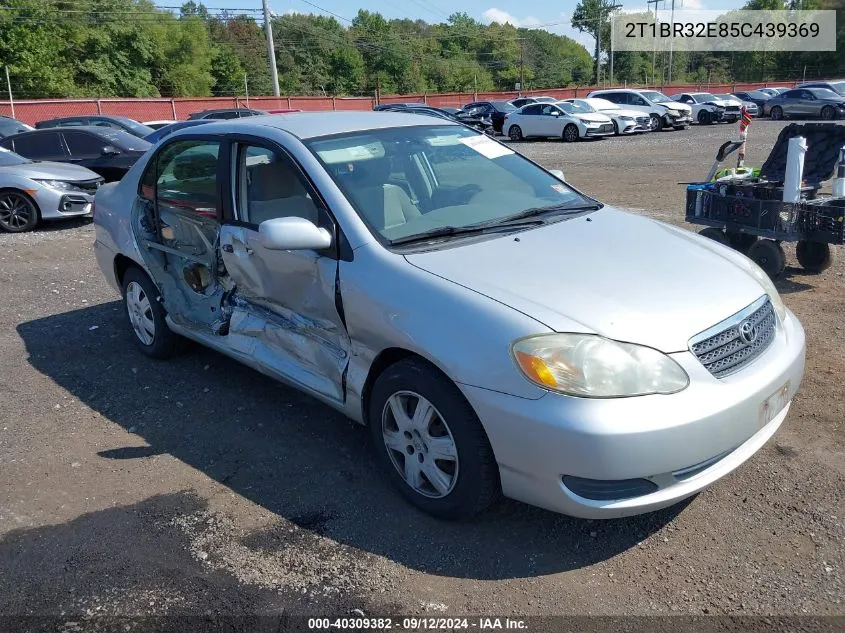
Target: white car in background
x=564 y=120
x=753 y=110
x=708 y=108
x=624 y=121
x=662 y=111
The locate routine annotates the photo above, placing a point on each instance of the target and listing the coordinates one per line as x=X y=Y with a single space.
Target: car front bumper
x=55 y=205
x=679 y=443
x=588 y=131
x=685 y=119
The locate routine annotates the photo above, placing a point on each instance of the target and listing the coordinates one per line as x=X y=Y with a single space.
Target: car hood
x=622 y=112
x=612 y=273
x=51 y=171
x=680 y=107
x=595 y=117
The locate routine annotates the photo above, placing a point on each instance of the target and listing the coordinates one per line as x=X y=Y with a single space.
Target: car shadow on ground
x=788 y=281
x=297 y=457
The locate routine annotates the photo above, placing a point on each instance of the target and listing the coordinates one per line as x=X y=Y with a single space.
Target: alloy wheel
x=16 y=212
x=140 y=313
x=420 y=444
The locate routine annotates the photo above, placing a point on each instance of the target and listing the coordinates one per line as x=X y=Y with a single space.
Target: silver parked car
x=499 y=331
x=818 y=103
x=31 y=191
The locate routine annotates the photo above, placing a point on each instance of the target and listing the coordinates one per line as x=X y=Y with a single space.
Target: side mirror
x=110 y=150
x=557 y=173
x=292 y=234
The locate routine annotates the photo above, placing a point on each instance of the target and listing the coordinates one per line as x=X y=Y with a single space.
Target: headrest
x=271 y=181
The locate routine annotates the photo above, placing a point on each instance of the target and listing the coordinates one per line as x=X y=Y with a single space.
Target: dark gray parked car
x=99 y=120
x=817 y=103
x=9 y=126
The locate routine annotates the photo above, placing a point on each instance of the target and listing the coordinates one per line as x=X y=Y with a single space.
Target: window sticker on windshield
x=560 y=189
x=444 y=141
x=486 y=147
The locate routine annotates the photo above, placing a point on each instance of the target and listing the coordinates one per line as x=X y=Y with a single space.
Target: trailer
x=746 y=210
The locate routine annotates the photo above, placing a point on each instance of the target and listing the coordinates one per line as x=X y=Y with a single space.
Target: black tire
x=477 y=483
x=515 y=133
x=570 y=133
x=741 y=241
x=704 y=118
x=656 y=122
x=680 y=127
x=828 y=113
x=776 y=113
x=615 y=128
x=717 y=235
x=18 y=211
x=164 y=342
x=769 y=256
x=814 y=257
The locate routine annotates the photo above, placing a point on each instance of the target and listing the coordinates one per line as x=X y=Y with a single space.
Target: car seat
x=274 y=191
x=384 y=205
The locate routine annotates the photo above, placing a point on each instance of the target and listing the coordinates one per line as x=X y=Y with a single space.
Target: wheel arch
x=122 y=263
x=381 y=362
x=23 y=192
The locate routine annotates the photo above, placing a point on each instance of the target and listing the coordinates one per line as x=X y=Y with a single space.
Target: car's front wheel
x=18 y=212
x=142 y=304
x=704 y=118
x=828 y=113
x=515 y=133
x=656 y=122
x=776 y=113
x=430 y=442
x=570 y=133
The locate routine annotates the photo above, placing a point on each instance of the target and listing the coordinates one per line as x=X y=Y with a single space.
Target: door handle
x=228 y=248
x=249 y=251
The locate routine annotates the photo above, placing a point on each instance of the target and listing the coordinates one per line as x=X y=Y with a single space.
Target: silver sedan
x=31 y=191
x=817 y=103
x=499 y=331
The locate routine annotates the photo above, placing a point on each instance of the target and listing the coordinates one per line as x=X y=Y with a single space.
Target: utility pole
x=271 y=50
x=246 y=90
x=671 y=40
x=654 y=39
x=9 y=86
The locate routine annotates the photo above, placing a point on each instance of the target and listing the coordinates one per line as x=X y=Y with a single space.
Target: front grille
x=89 y=186
x=732 y=344
x=643 y=121
x=607 y=127
x=732 y=108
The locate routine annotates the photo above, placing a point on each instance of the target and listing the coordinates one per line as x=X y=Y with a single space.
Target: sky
x=552 y=16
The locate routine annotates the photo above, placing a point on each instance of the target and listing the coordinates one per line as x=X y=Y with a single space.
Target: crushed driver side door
x=287 y=312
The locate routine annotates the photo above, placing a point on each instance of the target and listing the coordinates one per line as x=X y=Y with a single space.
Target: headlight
x=626 y=118
x=591 y=366
x=755 y=271
x=587 y=122
x=58 y=184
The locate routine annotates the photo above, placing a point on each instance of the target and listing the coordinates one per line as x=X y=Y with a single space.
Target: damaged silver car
x=499 y=331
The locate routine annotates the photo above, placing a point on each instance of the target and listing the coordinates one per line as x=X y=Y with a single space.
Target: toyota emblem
x=747 y=332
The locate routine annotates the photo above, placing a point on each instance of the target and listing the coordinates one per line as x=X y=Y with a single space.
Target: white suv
x=662 y=111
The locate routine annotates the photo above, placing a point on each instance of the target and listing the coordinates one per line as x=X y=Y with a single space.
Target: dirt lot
x=199 y=486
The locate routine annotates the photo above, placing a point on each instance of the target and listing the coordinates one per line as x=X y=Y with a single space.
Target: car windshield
x=409 y=182
x=576 y=107
x=726 y=97
x=602 y=104
x=9 y=158
x=137 y=128
x=656 y=97
x=824 y=93
x=703 y=97
x=756 y=94
x=503 y=106
x=838 y=86
x=124 y=140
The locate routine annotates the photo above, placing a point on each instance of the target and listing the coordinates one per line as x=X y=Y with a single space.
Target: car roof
x=305 y=125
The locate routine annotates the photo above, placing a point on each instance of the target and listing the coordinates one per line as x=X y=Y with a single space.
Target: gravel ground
x=198 y=486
